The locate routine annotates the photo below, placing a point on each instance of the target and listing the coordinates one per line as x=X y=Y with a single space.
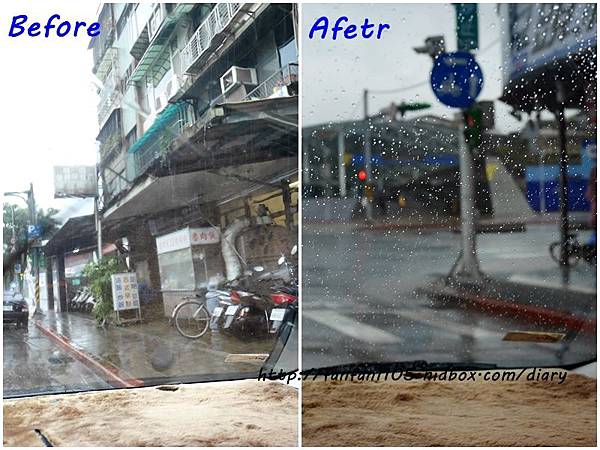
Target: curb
x=108 y=373
x=531 y=313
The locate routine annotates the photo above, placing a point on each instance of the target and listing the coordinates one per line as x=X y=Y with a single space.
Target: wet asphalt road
x=151 y=352
x=34 y=364
x=359 y=303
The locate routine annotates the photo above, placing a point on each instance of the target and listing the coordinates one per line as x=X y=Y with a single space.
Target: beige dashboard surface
x=434 y=413
x=228 y=413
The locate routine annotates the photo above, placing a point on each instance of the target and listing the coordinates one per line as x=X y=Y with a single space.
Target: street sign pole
x=456 y=80
x=470 y=264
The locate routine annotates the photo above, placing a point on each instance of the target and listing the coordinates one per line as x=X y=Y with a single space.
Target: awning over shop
x=153 y=195
x=164 y=120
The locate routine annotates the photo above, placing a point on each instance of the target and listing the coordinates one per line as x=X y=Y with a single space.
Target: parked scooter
x=89 y=303
x=285 y=295
x=261 y=312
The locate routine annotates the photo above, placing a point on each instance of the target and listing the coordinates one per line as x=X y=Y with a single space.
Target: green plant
x=99 y=280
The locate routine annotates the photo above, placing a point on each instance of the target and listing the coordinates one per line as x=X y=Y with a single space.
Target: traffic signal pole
x=367 y=154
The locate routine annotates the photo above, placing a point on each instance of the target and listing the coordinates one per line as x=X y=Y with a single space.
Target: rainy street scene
x=449 y=217
x=151 y=223
x=412 y=249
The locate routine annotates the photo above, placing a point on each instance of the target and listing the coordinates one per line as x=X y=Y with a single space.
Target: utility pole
x=33 y=226
x=97 y=217
x=367 y=155
x=36 y=256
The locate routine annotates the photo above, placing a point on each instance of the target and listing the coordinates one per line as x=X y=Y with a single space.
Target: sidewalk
x=130 y=356
x=537 y=298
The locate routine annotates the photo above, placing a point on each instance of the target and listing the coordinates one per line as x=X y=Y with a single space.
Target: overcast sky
x=49 y=113
x=336 y=72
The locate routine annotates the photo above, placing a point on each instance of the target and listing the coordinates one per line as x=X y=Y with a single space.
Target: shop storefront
x=189 y=260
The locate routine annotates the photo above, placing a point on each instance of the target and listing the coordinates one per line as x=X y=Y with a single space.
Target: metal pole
x=98 y=229
x=470 y=265
x=341 y=163
x=35 y=249
x=536 y=145
x=97 y=219
x=564 y=188
x=367 y=153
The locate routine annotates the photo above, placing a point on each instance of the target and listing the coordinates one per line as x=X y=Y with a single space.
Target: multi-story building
x=197 y=127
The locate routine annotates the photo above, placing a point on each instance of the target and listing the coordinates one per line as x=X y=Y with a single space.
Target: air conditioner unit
x=238 y=76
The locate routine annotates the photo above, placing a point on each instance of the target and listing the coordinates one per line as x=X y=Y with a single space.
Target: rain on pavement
x=33 y=362
x=362 y=305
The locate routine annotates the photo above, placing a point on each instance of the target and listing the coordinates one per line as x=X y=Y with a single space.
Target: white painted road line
x=350 y=327
x=435 y=320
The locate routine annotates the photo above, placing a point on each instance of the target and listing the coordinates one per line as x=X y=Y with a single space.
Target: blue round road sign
x=456 y=79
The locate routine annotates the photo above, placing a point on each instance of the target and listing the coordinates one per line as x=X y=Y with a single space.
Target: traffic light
x=473 y=126
x=362 y=175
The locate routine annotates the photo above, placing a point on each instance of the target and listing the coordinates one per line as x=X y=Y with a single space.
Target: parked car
x=15 y=309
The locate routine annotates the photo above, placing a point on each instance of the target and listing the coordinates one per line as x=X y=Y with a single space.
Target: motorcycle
x=283 y=296
x=261 y=312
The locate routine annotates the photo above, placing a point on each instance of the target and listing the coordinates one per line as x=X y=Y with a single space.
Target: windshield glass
x=449 y=184
x=163 y=174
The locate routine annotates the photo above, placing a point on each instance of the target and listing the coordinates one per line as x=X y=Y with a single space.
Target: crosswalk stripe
x=350 y=327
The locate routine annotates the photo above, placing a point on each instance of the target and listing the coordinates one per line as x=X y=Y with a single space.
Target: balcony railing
x=155 y=142
x=276 y=85
x=218 y=19
x=112 y=143
x=109 y=98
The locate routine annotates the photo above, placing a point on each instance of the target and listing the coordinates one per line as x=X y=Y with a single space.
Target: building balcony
x=282 y=83
x=110 y=146
x=155 y=141
x=110 y=98
x=151 y=46
x=103 y=43
x=106 y=64
x=211 y=33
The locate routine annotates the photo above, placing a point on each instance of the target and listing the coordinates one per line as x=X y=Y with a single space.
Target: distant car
x=15 y=309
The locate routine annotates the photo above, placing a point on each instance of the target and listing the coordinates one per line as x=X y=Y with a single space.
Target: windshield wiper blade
x=391 y=367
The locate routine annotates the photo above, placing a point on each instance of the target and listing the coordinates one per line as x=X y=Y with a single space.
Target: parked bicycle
x=191 y=317
x=575 y=251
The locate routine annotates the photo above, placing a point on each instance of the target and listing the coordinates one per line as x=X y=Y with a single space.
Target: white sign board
x=203 y=236
x=173 y=241
x=74 y=181
x=125 y=291
x=186 y=238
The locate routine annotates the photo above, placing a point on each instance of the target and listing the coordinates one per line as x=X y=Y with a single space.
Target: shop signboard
x=171 y=242
x=125 y=291
x=204 y=236
x=187 y=237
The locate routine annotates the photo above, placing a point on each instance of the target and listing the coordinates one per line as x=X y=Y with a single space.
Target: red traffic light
x=362 y=175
